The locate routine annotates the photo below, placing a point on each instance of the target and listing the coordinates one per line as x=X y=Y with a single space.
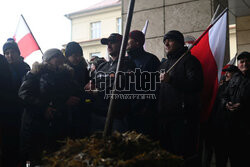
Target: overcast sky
x=45 y=18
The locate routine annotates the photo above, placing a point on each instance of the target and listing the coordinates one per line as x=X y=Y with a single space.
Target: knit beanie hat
x=73 y=48
x=51 y=53
x=11 y=44
x=174 y=35
x=138 y=36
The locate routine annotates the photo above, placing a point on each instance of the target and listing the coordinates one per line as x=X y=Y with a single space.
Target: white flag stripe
x=217 y=42
x=21 y=30
x=33 y=57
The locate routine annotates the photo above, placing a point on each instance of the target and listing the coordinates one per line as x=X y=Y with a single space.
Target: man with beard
x=142 y=116
x=179 y=99
x=103 y=83
x=11 y=117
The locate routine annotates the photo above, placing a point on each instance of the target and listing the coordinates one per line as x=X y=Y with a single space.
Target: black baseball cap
x=231 y=68
x=243 y=55
x=113 y=38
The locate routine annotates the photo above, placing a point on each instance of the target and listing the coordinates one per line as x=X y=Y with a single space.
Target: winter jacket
x=181 y=95
x=45 y=86
x=142 y=112
x=81 y=73
x=238 y=91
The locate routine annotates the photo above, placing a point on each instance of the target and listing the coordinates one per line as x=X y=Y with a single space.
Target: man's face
x=12 y=56
x=171 y=46
x=243 y=65
x=114 y=48
x=132 y=44
x=228 y=75
x=56 y=61
x=75 y=59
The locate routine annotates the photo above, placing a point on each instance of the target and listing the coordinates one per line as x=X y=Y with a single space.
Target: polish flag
x=209 y=48
x=28 y=46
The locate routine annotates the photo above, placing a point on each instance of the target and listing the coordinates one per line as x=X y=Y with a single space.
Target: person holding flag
x=179 y=99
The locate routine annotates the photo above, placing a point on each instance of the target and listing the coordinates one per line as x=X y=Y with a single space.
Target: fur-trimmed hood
x=40 y=68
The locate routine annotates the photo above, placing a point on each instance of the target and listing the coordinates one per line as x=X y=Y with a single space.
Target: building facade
x=191 y=17
x=89 y=25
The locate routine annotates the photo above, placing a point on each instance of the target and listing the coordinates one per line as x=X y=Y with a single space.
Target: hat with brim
x=231 y=68
x=243 y=55
x=113 y=38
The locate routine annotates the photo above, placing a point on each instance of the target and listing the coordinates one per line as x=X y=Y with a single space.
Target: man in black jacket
x=142 y=114
x=104 y=81
x=48 y=91
x=12 y=115
x=236 y=102
x=79 y=116
x=179 y=104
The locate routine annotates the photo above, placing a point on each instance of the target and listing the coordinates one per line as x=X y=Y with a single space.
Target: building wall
x=243 y=33
x=191 y=17
x=81 y=31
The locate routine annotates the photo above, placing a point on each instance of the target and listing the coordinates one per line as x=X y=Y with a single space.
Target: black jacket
x=181 y=95
x=45 y=86
x=238 y=91
x=81 y=73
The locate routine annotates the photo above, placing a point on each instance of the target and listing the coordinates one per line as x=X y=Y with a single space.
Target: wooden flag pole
x=111 y=110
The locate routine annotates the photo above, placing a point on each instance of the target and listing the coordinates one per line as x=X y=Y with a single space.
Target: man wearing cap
x=48 y=91
x=103 y=83
x=218 y=131
x=236 y=101
x=11 y=117
x=141 y=117
x=179 y=98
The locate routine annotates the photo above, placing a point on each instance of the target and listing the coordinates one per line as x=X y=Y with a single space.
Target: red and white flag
x=210 y=51
x=28 y=46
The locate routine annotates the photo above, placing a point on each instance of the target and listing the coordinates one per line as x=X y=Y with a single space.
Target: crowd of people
x=61 y=97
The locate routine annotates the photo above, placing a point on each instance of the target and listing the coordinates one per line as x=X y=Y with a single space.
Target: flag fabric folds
x=210 y=51
x=28 y=46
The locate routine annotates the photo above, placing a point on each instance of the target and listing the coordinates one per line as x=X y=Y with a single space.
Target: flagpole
x=109 y=119
x=198 y=40
x=215 y=13
x=31 y=33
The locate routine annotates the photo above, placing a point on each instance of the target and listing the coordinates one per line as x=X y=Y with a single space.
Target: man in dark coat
x=74 y=55
x=179 y=98
x=218 y=129
x=103 y=84
x=79 y=116
x=236 y=101
x=141 y=117
x=48 y=91
x=11 y=117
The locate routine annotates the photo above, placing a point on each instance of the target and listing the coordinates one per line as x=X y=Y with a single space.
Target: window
x=119 y=25
x=95 y=30
x=96 y=54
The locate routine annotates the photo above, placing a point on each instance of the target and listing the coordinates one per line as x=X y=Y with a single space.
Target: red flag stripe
x=27 y=45
x=204 y=55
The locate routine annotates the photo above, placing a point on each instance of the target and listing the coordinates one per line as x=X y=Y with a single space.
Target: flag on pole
x=210 y=51
x=27 y=44
x=144 y=31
